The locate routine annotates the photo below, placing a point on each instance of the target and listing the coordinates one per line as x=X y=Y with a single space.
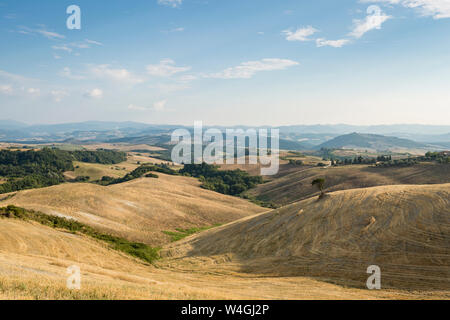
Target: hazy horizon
x=233 y=125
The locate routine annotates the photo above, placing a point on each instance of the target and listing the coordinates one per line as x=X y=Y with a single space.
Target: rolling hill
x=139 y=210
x=295 y=186
x=405 y=230
x=371 y=141
x=34 y=259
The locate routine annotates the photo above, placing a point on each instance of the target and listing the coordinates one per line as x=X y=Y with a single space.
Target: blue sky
x=227 y=62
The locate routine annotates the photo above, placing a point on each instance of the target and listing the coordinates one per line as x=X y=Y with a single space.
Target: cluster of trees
x=33 y=169
x=355 y=160
x=230 y=182
x=101 y=156
x=42 y=168
x=384 y=158
x=31 y=182
x=441 y=157
x=295 y=162
x=398 y=163
x=21 y=163
x=328 y=155
x=139 y=172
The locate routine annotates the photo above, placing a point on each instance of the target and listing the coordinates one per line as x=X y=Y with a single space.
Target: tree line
x=229 y=182
x=42 y=168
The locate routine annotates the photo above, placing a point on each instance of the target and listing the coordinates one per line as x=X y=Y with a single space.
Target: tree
x=320 y=184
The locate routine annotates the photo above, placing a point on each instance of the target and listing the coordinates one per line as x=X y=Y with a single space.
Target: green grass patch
x=180 y=234
x=138 y=250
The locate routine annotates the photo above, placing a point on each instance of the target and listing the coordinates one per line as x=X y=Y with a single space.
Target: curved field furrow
x=403 y=229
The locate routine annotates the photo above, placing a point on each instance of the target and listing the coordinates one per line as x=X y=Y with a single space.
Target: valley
x=217 y=246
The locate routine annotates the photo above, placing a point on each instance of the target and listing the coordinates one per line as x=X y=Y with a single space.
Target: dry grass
x=34 y=258
x=294 y=183
x=96 y=171
x=308 y=250
x=138 y=210
x=403 y=229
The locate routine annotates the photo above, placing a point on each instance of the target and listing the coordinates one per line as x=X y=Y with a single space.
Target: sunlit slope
x=138 y=210
x=296 y=186
x=403 y=229
x=34 y=259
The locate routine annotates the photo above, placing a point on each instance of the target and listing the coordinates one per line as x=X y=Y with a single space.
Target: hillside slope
x=34 y=258
x=370 y=141
x=296 y=186
x=403 y=229
x=138 y=210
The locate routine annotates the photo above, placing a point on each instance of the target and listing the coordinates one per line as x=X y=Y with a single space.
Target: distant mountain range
x=372 y=141
x=301 y=137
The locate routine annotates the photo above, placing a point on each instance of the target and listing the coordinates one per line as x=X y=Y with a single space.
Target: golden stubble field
x=139 y=210
x=403 y=229
x=309 y=250
x=294 y=183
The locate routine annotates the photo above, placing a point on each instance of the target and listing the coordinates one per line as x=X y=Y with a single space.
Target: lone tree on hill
x=320 y=183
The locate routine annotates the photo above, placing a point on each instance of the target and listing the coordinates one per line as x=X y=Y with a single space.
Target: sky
x=226 y=62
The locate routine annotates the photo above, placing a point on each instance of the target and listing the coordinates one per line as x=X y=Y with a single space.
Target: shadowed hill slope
x=138 y=210
x=297 y=185
x=403 y=229
x=34 y=258
x=370 y=141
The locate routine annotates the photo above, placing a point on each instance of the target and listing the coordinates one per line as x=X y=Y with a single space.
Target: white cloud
x=374 y=20
x=69 y=47
x=438 y=9
x=136 y=108
x=121 y=75
x=85 y=44
x=166 y=88
x=6 y=89
x=157 y=106
x=63 y=48
x=171 y=3
x=246 y=70
x=188 y=78
x=94 y=42
x=50 y=35
x=59 y=95
x=67 y=72
x=9 y=90
x=331 y=43
x=34 y=91
x=16 y=77
x=95 y=94
x=42 y=31
x=165 y=68
x=300 y=34
x=80 y=45
x=180 y=29
x=160 y=105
